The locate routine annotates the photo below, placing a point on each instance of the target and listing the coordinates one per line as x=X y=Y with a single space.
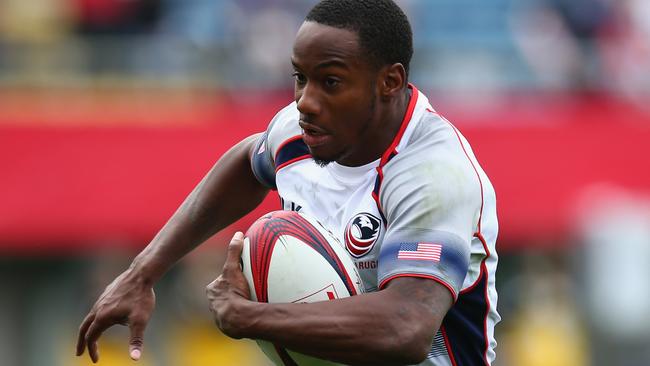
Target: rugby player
x=360 y=148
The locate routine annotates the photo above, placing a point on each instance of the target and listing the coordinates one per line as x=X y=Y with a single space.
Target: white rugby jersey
x=424 y=209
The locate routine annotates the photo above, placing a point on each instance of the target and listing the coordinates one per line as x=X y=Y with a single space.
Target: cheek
x=350 y=116
x=358 y=118
x=348 y=125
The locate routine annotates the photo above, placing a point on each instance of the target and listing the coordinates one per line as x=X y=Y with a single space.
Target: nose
x=307 y=100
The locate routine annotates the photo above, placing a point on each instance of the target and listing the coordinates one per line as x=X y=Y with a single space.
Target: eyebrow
x=325 y=64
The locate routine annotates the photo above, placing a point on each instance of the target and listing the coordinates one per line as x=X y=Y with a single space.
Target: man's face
x=335 y=89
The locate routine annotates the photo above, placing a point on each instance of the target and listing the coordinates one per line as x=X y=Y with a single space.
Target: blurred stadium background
x=112 y=110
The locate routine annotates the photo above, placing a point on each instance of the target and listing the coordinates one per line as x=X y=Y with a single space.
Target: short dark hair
x=383 y=28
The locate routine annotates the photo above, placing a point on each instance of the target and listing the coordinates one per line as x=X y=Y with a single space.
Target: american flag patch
x=420 y=251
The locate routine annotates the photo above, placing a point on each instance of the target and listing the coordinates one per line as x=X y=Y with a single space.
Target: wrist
x=250 y=314
x=142 y=272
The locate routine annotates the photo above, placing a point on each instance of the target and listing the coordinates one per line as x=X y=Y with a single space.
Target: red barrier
x=82 y=188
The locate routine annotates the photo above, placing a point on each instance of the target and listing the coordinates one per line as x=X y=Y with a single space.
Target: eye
x=332 y=82
x=300 y=78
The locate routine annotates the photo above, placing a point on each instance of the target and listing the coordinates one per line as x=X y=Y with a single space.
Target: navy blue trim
x=289 y=151
x=262 y=163
x=465 y=325
x=383 y=218
x=391 y=156
x=375 y=190
x=375 y=193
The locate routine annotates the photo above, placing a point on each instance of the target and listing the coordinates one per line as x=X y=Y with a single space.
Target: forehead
x=316 y=43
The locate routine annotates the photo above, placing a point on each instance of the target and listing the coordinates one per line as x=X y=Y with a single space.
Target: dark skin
x=394 y=326
x=350 y=111
x=354 y=107
x=227 y=192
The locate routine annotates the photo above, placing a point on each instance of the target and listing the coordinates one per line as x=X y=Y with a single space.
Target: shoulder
x=432 y=175
x=283 y=127
x=435 y=154
x=264 y=158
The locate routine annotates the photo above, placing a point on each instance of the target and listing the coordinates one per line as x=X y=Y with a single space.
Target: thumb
x=235 y=247
x=237 y=239
x=234 y=252
x=136 y=341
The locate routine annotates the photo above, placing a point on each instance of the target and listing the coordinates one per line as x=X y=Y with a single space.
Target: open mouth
x=313 y=136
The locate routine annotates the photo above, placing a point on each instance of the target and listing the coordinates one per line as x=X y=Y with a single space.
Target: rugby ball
x=289 y=257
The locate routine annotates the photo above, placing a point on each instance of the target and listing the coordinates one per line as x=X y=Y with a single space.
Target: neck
x=394 y=120
x=382 y=129
x=393 y=116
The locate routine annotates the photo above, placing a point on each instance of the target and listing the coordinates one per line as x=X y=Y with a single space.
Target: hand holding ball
x=289 y=257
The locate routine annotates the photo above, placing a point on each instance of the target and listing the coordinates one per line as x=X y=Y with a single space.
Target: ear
x=392 y=81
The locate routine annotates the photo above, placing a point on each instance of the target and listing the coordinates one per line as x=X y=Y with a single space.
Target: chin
x=321 y=162
x=322 y=159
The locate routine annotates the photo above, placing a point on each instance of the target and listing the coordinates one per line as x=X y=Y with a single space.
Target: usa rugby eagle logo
x=361 y=234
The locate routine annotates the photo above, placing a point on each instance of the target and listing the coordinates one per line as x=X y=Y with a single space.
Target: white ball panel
x=298 y=273
x=246 y=267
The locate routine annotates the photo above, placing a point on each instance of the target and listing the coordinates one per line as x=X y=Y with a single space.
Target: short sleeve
x=283 y=126
x=431 y=198
x=262 y=162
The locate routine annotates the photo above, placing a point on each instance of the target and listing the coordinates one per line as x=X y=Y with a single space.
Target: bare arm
x=226 y=193
x=394 y=326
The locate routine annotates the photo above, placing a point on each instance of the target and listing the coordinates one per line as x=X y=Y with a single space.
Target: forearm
x=371 y=329
x=334 y=331
x=225 y=194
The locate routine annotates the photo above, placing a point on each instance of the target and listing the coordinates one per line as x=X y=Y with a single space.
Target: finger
x=137 y=340
x=83 y=328
x=95 y=330
x=235 y=249
x=93 y=352
x=210 y=287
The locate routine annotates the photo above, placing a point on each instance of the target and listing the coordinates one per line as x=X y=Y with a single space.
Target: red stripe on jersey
x=391 y=148
x=482 y=273
x=480 y=182
x=448 y=345
x=285 y=143
x=487 y=295
x=478 y=235
x=294 y=160
x=407 y=117
x=296 y=152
